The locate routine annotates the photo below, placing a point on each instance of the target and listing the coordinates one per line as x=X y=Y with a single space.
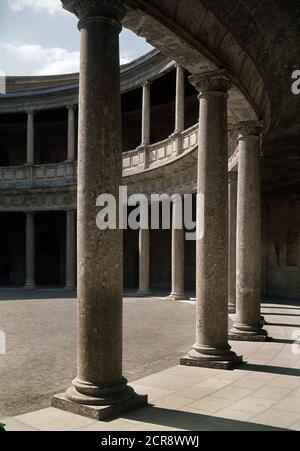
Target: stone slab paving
x=40 y=328
x=263 y=394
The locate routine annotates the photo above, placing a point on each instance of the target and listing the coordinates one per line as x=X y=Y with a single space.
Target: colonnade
x=70 y=250
x=146 y=121
x=30 y=159
x=100 y=389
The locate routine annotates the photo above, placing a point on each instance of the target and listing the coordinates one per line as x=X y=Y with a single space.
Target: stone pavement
x=263 y=394
x=41 y=343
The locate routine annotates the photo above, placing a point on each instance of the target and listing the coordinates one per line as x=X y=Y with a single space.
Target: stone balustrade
x=162 y=152
x=65 y=173
x=40 y=175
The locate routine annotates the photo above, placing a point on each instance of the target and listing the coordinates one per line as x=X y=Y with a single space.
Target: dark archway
x=4 y=261
x=4 y=158
x=48 y=262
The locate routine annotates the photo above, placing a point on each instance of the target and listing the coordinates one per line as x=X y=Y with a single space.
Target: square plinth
x=228 y=365
x=99 y=413
x=261 y=338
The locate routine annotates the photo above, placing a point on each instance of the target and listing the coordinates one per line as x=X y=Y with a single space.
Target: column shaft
x=232 y=196
x=212 y=348
x=178 y=243
x=248 y=324
x=71 y=133
x=180 y=99
x=70 y=251
x=99 y=379
x=30 y=251
x=146 y=114
x=144 y=262
x=30 y=137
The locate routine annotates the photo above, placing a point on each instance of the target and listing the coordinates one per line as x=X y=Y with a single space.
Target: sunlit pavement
x=263 y=394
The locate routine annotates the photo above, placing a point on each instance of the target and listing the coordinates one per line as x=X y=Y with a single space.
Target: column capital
x=147 y=84
x=93 y=9
x=71 y=107
x=32 y=112
x=249 y=128
x=213 y=82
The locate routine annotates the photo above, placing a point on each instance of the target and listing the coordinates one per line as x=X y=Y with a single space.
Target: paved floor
x=263 y=394
x=41 y=343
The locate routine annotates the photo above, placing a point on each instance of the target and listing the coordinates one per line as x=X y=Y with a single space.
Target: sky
x=37 y=37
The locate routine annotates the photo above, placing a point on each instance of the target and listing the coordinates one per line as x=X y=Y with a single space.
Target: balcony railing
x=134 y=161
x=160 y=153
x=37 y=175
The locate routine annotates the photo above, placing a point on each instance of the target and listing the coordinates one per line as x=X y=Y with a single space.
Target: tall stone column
x=180 y=99
x=30 y=137
x=248 y=324
x=30 y=251
x=212 y=349
x=70 y=251
x=144 y=262
x=178 y=242
x=232 y=196
x=146 y=114
x=100 y=390
x=71 y=133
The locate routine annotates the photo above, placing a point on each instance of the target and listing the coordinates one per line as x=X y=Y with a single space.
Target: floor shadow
x=15 y=294
x=193 y=421
x=279 y=301
x=297 y=326
x=283 y=341
x=271 y=307
x=282 y=314
x=280 y=370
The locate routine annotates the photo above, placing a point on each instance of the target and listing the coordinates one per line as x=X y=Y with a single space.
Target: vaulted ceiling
x=257 y=41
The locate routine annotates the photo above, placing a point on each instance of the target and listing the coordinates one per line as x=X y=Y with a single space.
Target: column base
x=263 y=321
x=248 y=333
x=178 y=297
x=72 y=288
x=227 y=361
x=143 y=294
x=29 y=287
x=99 y=413
x=232 y=309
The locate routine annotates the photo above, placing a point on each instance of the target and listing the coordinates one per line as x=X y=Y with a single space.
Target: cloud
x=38 y=60
x=43 y=61
x=49 y=6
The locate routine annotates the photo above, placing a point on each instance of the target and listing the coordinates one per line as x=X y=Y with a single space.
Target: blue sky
x=37 y=37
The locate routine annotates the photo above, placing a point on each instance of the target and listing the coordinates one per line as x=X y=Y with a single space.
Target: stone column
x=248 y=324
x=232 y=196
x=144 y=263
x=30 y=251
x=30 y=137
x=146 y=114
x=71 y=133
x=178 y=242
x=180 y=100
x=70 y=251
x=212 y=349
x=100 y=390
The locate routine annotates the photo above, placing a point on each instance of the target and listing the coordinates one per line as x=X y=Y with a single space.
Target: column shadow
x=297 y=326
x=280 y=370
x=158 y=416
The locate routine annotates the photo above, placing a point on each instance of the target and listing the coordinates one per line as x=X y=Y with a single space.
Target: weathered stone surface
x=212 y=346
x=248 y=324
